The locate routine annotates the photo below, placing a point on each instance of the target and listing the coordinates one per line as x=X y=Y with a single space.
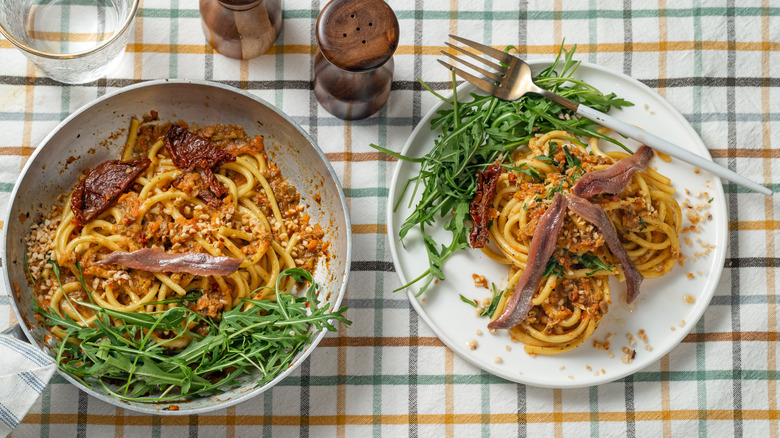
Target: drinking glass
x=71 y=41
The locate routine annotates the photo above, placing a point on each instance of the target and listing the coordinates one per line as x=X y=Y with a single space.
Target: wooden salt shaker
x=353 y=66
x=241 y=29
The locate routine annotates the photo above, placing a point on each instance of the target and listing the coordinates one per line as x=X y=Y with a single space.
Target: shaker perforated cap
x=357 y=35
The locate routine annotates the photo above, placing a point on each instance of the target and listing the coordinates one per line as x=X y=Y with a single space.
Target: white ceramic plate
x=662 y=310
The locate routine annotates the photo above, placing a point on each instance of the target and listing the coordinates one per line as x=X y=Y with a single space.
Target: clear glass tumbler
x=71 y=41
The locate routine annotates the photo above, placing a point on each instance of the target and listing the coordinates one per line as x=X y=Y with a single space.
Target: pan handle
x=15 y=331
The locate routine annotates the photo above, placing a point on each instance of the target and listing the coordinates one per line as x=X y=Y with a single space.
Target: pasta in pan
x=259 y=224
x=574 y=293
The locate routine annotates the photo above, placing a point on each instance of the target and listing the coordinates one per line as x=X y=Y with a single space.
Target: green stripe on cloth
x=733 y=188
x=367 y=192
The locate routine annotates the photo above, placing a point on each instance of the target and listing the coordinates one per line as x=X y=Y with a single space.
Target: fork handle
x=560 y=100
x=666 y=147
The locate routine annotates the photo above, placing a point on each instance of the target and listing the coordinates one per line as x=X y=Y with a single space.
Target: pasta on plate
x=573 y=294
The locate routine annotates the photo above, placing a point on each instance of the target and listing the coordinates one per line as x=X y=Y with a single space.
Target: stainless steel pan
x=84 y=135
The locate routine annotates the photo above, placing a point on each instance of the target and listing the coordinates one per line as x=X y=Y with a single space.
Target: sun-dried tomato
x=209 y=197
x=102 y=186
x=480 y=206
x=190 y=151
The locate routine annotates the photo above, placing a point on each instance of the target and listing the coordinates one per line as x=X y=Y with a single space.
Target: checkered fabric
x=717 y=62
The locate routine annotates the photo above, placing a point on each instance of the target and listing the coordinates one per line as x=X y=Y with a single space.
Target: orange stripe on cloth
x=138 y=58
x=369 y=229
x=671 y=46
x=95 y=38
x=745 y=153
x=331 y=420
x=15 y=150
x=449 y=393
x=754 y=225
x=429 y=341
x=663 y=36
x=119 y=425
x=230 y=422
x=769 y=208
x=558 y=412
x=732 y=336
x=545 y=49
x=665 y=398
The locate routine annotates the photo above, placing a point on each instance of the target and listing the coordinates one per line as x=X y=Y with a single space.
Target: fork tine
x=482 y=84
x=490 y=64
x=495 y=53
x=486 y=73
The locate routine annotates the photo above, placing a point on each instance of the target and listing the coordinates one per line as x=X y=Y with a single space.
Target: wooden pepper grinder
x=241 y=29
x=353 y=66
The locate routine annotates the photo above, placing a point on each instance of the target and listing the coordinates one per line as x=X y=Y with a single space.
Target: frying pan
x=97 y=132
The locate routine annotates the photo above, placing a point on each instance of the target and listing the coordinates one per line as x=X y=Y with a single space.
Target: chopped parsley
x=572 y=161
x=557 y=189
x=553 y=267
x=642 y=224
x=526 y=170
x=590 y=261
x=549 y=158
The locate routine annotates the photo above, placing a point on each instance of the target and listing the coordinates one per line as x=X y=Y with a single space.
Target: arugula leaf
x=194 y=295
x=572 y=161
x=550 y=157
x=473 y=133
x=526 y=170
x=546 y=159
x=120 y=354
x=83 y=284
x=553 y=150
x=491 y=309
x=494 y=300
x=468 y=301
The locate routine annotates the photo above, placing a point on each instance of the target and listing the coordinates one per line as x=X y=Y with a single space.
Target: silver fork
x=512 y=79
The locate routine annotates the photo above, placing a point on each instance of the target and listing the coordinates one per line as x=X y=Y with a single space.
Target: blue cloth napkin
x=24 y=373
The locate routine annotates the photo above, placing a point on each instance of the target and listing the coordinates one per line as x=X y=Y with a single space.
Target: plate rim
x=696 y=313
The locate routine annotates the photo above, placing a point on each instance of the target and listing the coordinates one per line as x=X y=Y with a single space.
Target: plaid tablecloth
x=718 y=62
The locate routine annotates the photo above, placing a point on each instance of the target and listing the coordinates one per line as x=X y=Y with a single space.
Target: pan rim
x=157 y=408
